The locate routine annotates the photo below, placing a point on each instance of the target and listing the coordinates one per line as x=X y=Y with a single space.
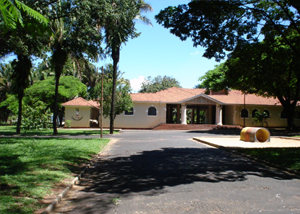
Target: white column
x=183 y=114
x=219 y=115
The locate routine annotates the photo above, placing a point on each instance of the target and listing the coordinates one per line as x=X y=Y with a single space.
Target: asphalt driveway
x=168 y=172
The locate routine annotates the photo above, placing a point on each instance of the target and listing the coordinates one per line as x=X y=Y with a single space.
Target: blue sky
x=158 y=52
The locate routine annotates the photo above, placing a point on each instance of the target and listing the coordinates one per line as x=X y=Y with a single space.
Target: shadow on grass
x=149 y=172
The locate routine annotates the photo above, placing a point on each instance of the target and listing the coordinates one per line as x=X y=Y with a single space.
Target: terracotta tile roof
x=79 y=101
x=170 y=95
x=237 y=97
x=178 y=95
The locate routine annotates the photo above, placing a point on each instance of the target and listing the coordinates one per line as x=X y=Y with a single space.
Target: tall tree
x=20 y=81
x=118 y=27
x=23 y=41
x=152 y=85
x=254 y=31
x=74 y=34
x=220 y=25
x=268 y=69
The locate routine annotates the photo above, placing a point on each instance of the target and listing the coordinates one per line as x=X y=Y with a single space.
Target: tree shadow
x=150 y=172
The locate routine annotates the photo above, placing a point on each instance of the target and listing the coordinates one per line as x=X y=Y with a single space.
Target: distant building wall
x=79 y=116
x=275 y=119
x=140 y=117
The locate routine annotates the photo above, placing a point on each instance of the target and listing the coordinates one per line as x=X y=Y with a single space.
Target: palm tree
x=119 y=27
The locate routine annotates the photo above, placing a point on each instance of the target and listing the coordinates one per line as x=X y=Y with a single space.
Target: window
x=151 y=111
x=283 y=115
x=244 y=113
x=254 y=112
x=129 y=112
x=267 y=112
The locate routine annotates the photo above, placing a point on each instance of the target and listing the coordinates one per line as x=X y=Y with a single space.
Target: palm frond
x=144 y=19
x=10 y=13
x=31 y=12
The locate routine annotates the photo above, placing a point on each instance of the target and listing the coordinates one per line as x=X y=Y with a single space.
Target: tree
x=20 y=81
x=254 y=31
x=158 y=83
x=123 y=90
x=69 y=87
x=269 y=70
x=215 y=79
x=220 y=26
x=24 y=41
x=118 y=28
x=74 y=34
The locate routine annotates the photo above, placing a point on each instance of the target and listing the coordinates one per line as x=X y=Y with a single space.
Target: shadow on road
x=149 y=172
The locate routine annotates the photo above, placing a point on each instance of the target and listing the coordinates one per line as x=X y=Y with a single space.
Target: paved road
x=168 y=172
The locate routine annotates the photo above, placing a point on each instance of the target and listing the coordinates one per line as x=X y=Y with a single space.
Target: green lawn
x=288 y=157
x=11 y=130
x=30 y=167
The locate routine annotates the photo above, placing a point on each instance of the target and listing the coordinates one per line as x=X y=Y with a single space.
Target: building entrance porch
x=190 y=114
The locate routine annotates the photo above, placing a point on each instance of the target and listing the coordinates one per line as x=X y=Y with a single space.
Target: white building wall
x=274 y=121
x=140 y=118
x=78 y=115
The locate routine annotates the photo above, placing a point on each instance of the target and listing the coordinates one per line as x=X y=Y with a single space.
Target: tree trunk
x=59 y=59
x=55 y=104
x=20 y=97
x=116 y=58
x=290 y=117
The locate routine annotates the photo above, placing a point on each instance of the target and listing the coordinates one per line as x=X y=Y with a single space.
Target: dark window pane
x=152 y=111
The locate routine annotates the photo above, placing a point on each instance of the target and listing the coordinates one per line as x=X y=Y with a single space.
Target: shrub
x=68 y=123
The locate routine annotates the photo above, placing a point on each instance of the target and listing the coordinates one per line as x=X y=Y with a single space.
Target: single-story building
x=82 y=113
x=193 y=106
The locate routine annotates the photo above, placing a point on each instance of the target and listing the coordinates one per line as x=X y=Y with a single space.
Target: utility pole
x=101 y=105
x=244 y=109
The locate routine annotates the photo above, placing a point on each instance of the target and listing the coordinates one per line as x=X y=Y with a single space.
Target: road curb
x=232 y=150
x=76 y=180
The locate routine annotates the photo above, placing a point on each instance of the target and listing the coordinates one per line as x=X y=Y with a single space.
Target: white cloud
x=195 y=53
x=137 y=83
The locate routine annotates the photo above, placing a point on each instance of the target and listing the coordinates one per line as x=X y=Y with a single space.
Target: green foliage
x=29 y=168
x=36 y=117
x=268 y=68
x=260 y=118
x=261 y=38
x=123 y=89
x=158 y=83
x=219 y=26
x=11 y=14
x=10 y=130
x=215 y=79
x=288 y=157
x=68 y=123
x=11 y=103
x=44 y=90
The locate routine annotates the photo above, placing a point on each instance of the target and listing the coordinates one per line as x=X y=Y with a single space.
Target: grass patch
x=11 y=130
x=287 y=157
x=30 y=167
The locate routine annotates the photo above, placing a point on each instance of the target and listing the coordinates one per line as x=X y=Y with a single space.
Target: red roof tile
x=170 y=95
x=178 y=95
x=79 y=101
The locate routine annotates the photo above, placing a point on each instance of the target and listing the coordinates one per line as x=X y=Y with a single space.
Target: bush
x=36 y=117
x=68 y=123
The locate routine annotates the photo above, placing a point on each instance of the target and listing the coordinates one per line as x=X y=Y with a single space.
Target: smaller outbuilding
x=82 y=113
